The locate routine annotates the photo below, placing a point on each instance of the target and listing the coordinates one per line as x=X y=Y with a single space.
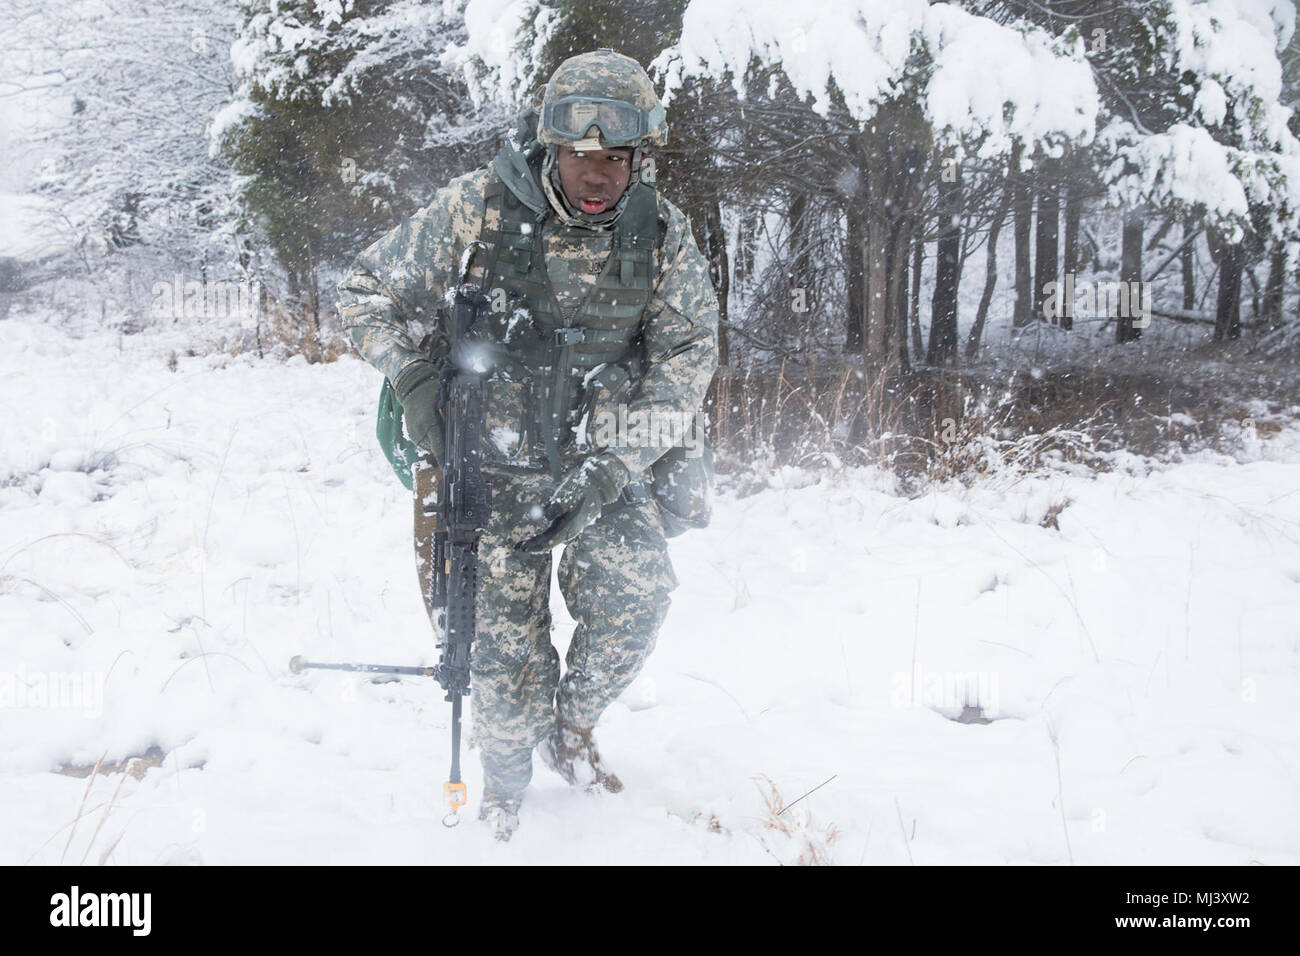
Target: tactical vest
x=532 y=397
x=545 y=360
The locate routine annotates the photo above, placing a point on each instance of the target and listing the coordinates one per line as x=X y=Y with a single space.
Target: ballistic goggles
x=570 y=117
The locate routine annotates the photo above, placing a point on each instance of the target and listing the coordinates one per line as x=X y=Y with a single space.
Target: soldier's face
x=594 y=179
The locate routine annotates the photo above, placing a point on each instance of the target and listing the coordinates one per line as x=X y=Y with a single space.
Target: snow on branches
x=979 y=82
x=502 y=51
x=986 y=86
x=1234 y=152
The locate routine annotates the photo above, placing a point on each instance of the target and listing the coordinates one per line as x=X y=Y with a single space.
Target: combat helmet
x=598 y=100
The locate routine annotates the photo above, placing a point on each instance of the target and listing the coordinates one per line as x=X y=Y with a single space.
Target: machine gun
x=461 y=509
x=464 y=505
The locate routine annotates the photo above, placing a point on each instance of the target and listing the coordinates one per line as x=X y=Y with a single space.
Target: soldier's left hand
x=577 y=502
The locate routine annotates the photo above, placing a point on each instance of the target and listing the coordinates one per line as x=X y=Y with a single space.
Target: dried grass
x=814 y=844
x=282 y=332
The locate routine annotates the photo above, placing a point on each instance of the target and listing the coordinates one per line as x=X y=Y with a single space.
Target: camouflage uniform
x=616 y=576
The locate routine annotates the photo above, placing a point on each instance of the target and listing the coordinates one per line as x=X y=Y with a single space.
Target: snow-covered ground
x=172 y=537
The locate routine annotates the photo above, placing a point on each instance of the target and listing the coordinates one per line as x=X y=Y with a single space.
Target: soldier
x=604 y=310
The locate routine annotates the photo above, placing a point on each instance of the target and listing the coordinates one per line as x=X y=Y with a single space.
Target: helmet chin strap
x=643 y=173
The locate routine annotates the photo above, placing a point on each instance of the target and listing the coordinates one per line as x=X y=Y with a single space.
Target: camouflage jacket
x=389 y=301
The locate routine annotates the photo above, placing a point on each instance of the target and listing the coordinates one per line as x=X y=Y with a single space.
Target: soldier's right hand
x=417 y=389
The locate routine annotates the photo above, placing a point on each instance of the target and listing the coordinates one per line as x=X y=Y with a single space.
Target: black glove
x=576 y=503
x=417 y=386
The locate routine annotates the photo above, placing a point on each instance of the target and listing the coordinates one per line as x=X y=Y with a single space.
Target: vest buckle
x=569 y=336
x=634 y=493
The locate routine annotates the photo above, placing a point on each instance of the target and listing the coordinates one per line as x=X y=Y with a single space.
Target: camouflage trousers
x=615 y=578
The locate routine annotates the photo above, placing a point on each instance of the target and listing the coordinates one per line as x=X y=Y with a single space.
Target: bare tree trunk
x=875 y=330
x=1256 y=309
x=894 y=281
x=314 y=293
x=900 y=241
x=894 y=179
x=1130 y=271
x=1023 y=211
x=990 y=274
x=876 y=251
x=1274 y=290
x=855 y=278
x=918 y=253
x=1070 y=263
x=904 y=253
x=1187 y=258
x=1227 y=308
x=1046 y=265
x=943 y=306
x=719 y=271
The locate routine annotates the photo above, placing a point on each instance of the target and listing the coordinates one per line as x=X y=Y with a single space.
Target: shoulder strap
x=491 y=238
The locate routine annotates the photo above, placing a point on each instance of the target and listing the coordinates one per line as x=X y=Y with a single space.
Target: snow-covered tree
x=1193 y=126
x=132 y=85
x=916 y=92
x=343 y=121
